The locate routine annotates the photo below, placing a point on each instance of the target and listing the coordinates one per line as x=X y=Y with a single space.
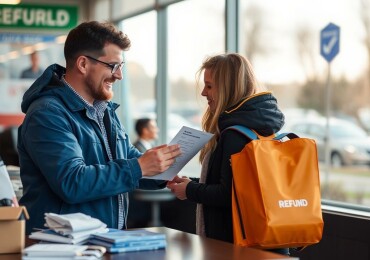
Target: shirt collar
x=146 y=144
x=98 y=106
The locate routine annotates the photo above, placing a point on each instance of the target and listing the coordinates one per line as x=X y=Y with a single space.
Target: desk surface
x=186 y=246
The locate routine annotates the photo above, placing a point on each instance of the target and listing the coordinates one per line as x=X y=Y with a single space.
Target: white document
x=6 y=187
x=191 y=141
x=54 y=250
x=62 y=251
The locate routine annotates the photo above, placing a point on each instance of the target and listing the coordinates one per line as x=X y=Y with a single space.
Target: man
x=147 y=131
x=34 y=71
x=75 y=156
x=140 y=211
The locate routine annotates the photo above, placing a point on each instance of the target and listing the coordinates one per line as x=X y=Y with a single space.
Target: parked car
x=349 y=143
x=293 y=115
x=364 y=117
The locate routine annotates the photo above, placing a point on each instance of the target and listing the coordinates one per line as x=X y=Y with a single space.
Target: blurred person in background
x=140 y=211
x=147 y=132
x=34 y=71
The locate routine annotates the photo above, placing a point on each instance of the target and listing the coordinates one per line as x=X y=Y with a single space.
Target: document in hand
x=191 y=141
x=116 y=241
x=62 y=251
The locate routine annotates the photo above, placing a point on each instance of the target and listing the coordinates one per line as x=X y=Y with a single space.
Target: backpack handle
x=289 y=135
x=253 y=136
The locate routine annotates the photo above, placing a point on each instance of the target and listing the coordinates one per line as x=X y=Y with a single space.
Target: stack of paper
x=73 y=223
x=116 y=241
x=62 y=252
x=73 y=228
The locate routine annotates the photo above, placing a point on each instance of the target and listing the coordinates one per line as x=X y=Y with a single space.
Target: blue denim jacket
x=64 y=166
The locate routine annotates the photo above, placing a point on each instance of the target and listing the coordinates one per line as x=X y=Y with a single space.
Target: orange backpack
x=276 y=201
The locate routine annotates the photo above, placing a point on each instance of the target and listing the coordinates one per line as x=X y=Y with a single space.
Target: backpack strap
x=244 y=131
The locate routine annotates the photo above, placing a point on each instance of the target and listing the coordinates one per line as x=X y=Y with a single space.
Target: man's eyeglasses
x=113 y=66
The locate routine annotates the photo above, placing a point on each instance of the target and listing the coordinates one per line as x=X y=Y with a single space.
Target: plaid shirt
x=96 y=113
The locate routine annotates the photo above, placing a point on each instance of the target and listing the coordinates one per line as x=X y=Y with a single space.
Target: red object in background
x=7 y=120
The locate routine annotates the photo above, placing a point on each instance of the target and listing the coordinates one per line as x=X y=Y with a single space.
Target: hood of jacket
x=48 y=83
x=259 y=112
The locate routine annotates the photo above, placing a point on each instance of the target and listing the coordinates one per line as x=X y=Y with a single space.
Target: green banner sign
x=38 y=16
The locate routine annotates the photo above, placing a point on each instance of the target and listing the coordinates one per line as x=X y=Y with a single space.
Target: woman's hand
x=178 y=186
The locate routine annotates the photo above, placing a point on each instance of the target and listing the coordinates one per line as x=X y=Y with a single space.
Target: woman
x=233 y=99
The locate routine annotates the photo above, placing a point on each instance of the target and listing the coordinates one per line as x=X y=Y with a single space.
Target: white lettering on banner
x=34 y=17
x=17 y=15
x=27 y=19
x=40 y=17
x=293 y=203
x=62 y=17
x=7 y=16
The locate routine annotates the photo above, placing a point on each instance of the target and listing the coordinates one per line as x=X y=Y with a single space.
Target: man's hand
x=158 y=159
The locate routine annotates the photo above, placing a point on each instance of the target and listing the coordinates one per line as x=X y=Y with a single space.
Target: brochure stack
x=75 y=228
x=117 y=241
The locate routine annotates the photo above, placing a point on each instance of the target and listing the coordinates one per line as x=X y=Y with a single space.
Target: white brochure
x=191 y=141
x=6 y=187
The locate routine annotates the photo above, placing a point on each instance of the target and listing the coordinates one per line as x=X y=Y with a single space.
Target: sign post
x=329 y=48
x=329 y=42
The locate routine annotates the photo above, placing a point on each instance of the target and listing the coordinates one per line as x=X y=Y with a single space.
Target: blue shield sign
x=329 y=41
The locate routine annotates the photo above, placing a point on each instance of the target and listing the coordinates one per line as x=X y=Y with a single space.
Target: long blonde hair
x=235 y=80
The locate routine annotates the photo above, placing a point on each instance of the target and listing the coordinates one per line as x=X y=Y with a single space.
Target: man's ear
x=82 y=64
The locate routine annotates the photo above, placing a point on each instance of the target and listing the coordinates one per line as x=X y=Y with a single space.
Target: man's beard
x=98 y=92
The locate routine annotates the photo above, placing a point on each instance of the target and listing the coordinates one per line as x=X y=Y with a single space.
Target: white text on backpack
x=293 y=203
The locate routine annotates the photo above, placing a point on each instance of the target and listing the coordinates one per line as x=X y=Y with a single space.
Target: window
x=193 y=33
x=282 y=41
x=137 y=95
x=16 y=57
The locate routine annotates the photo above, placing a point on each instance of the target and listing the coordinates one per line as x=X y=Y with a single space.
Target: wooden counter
x=186 y=246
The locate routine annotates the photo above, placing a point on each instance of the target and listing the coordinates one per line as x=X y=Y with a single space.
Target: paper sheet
x=6 y=187
x=191 y=141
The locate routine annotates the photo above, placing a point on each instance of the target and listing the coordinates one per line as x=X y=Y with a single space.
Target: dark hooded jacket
x=260 y=113
x=64 y=165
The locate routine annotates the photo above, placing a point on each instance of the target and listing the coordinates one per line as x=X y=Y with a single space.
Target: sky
x=285 y=16
x=196 y=30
